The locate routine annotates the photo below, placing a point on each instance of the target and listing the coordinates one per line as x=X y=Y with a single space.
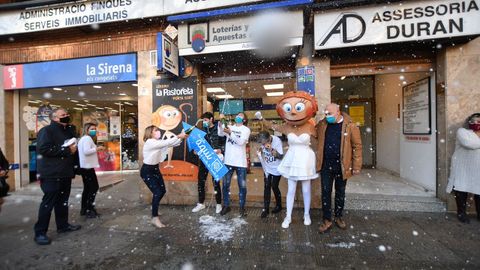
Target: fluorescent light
x=223 y=96
x=128 y=103
x=91 y=105
x=78 y=109
x=215 y=90
x=57 y=89
x=134 y=84
x=99 y=108
x=118 y=103
x=122 y=94
x=274 y=94
x=273 y=86
x=132 y=113
x=343 y=78
x=74 y=101
x=97 y=86
x=34 y=102
x=81 y=105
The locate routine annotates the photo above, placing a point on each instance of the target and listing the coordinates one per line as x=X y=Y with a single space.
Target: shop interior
x=113 y=107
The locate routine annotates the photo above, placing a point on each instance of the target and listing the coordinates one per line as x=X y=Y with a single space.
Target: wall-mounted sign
x=104 y=69
x=357 y=113
x=167 y=54
x=416 y=108
x=396 y=22
x=306 y=79
x=223 y=35
x=115 y=125
x=181 y=6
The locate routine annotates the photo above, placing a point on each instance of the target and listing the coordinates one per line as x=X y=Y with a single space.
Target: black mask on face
x=65 y=120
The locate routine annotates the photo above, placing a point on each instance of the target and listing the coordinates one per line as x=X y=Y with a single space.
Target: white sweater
x=236 y=145
x=155 y=151
x=464 y=173
x=87 y=153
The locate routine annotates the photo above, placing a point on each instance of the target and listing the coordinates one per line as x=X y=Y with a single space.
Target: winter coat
x=217 y=142
x=350 y=147
x=465 y=163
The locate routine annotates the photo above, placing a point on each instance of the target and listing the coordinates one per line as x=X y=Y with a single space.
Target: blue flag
x=196 y=141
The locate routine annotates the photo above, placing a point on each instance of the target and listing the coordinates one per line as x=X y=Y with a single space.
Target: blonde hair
x=148 y=132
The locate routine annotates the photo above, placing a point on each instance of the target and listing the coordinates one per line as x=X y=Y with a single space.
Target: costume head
x=297 y=107
x=167 y=117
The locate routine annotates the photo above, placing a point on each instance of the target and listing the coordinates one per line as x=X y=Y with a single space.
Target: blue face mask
x=206 y=124
x=92 y=133
x=331 y=119
x=238 y=119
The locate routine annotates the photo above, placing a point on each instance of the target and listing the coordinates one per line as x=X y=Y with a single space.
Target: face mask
x=331 y=119
x=157 y=134
x=238 y=119
x=474 y=127
x=92 y=133
x=206 y=124
x=65 y=120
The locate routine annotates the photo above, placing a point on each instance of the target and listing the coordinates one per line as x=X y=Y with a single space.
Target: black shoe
x=92 y=214
x=83 y=212
x=463 y=218
x=264 y=213
x=42 y=240
x=69 y=228
x=243 y=212
x=225 y=210
x=277 y=209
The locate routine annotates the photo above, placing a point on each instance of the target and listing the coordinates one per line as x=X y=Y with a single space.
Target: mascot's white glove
x=258 y=115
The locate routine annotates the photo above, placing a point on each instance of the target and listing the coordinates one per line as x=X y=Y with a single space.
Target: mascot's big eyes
x=299 y=107
x=287 y=107
x=170 y=114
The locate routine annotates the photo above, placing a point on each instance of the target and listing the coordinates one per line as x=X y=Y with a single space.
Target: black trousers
x=461 y=200
x=55 y=197
x=329 y=179
x=153 y=178
x=90 y=188
x=202 y=178
x=271 y=183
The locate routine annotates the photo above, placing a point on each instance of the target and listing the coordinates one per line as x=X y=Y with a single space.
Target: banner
x=103 y=69
x=306 y=79
x=167 y=54
x=396 y=22
x=174 y=101
x=197 y=142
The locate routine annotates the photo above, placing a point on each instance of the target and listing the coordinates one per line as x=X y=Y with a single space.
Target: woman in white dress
x=464 y=177
x=298 y=164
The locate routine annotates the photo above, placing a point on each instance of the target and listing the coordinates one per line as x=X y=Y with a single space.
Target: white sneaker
x=218 y=209
x=286 y=222
x=199 y=207
x=306 y=220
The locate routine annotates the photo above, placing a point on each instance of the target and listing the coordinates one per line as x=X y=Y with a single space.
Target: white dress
x=299 y=161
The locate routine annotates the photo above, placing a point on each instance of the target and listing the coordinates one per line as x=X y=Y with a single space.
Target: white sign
x=171 y=31
x=181 y=6
x=236 y=34
x=77 y=14
x=115 y=126
x=399 y=22
x=167 y=54
x=416 y=108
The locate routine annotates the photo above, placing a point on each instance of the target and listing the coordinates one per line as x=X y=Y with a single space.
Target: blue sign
x=204 y=150
x=306 y=79
x=93 y=70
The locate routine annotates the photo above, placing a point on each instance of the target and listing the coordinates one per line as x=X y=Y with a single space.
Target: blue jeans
x=330 y=178
x=153 y=178
x=242 y=185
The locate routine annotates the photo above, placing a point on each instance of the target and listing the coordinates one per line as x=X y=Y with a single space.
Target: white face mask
x=157 y=134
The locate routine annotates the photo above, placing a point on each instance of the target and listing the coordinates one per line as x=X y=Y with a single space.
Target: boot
x=461 y=200
x=277 y=209
x=264 y=213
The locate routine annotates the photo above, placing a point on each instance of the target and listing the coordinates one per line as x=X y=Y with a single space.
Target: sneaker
x=42 y=240
x=200 y=206
x=218 y=208
x=264 y=213
x=277 y=209
x=286 y=222
x=340 y=223
x=92 y=214
x=326 y=226
x=225 y=210
x=69 y=228
x=243 y=212
x=306 y=220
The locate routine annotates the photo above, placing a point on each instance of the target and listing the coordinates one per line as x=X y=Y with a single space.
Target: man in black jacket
x=55 y=168
x=218 y=145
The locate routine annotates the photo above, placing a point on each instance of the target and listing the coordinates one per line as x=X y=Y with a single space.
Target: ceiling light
x=92 y=105
x=274 y=94
x=118 y=103
x=81 y=105
x=97 y=86
x=57 y=89
x=223 y=96
x=128 y=103
x=78 y=109
x=122 y=94
x=215 y=90
x=99 y=108
x=114 y=111
x=343 y=78
x=273 y=86
x=33 y=101
x=134 y=84
x=74 y=101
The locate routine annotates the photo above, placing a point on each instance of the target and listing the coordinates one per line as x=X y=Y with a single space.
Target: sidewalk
x=123 y=239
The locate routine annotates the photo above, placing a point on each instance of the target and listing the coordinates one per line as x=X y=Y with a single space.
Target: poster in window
x=416 y=108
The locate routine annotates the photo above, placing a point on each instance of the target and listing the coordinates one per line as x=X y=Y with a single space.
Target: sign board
x=183 y=6
x=416 y=108
x=171 y=31
x=306 y=79
x=396 y=22
x=174 y=101
x=115 y=125
x=104 y=69
x=167 y=54
x=357 y=113
x=236 y=34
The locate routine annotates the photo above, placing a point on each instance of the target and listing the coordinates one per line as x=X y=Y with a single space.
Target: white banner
x=223 y=35
x=181 y=6
x=399 y=22
x=115 y=125
x=416 y=108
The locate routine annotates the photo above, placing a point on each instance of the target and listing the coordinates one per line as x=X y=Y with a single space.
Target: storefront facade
x=406 y=73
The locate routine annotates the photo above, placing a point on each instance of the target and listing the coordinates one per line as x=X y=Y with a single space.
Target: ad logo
x=198 y=36
x=350 y=26
x=13 y=76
